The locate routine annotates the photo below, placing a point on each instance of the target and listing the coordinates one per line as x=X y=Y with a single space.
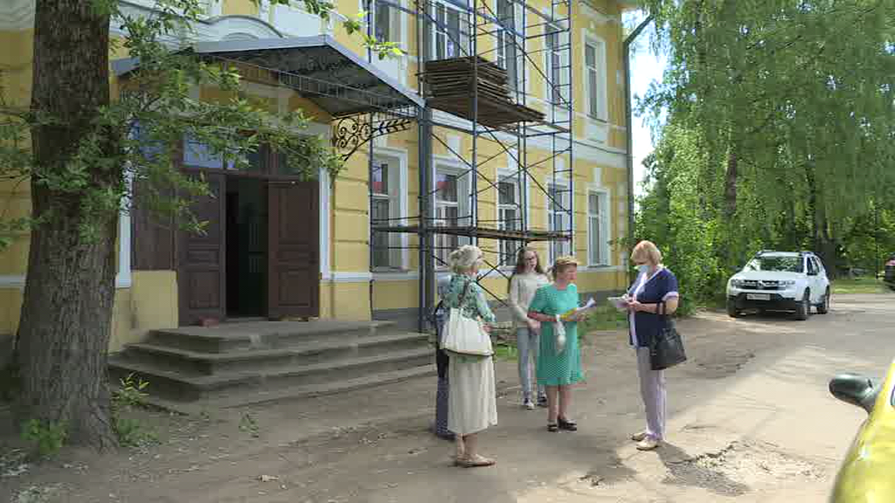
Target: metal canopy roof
x=323 y=70
x=319 y=68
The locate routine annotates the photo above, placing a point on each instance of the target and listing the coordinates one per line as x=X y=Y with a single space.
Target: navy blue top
x=661 y=286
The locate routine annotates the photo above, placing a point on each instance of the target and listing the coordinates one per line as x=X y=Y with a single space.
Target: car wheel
x=732 y=310
x=803 y=310
x=824 y=306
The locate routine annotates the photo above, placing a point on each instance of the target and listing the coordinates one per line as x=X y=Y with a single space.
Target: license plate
x=758 y=296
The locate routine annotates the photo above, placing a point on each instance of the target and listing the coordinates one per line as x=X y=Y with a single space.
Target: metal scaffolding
x=504 y=49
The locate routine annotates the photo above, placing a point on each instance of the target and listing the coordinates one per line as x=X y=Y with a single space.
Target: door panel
x=201 y=259
x=293 y=249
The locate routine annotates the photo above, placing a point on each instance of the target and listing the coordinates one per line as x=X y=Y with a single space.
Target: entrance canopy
x=318 y=68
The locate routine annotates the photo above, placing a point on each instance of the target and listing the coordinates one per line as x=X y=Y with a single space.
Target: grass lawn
x=506 y=351
x=861 y=284
x=603 y=318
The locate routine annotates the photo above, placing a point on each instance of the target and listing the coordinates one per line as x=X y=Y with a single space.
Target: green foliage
x=774 y=122
x=602 y=318
x=46 y=436
x=249 y=425
x=133 y=433
x=860 y=284
x=129 y=396
x=506 y=351
x=674 y=215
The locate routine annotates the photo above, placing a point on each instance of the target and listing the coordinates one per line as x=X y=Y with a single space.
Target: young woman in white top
x=527 y=277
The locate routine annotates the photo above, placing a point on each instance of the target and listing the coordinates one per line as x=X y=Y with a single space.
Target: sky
x=646 y=67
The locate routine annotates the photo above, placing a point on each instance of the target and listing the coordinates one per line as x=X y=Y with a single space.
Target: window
x=450 y=205
x=384 y=192
x=386 y=22
x=788 y=263
x=199 y=155
x=597 y=225
x=506 y=43
x=509 y=215
x=560 y=219
x=557 y=64
x=451 y=31
x=595 y=70
x=261 y=159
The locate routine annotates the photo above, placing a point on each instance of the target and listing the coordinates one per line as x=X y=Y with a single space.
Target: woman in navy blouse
x=654 y=285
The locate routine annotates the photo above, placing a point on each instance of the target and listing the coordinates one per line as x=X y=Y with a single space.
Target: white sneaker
x=637 y=437
x=528 y=404
x=647 y=444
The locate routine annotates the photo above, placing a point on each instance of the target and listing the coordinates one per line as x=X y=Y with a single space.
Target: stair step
x=257 y=397
x=309 y=352
x=176 y=384
x=267 y=334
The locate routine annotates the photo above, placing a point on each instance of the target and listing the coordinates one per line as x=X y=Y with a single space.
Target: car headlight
x=736 y=283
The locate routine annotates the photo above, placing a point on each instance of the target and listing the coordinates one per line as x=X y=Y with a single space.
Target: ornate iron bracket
x=351 y=133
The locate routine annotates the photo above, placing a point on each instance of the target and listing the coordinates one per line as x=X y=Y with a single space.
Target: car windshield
x=778 y=263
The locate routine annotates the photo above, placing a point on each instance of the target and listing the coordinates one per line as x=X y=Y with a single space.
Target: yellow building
x=281 y=248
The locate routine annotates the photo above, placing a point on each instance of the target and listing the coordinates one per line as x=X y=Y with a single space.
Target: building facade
x=350 y=248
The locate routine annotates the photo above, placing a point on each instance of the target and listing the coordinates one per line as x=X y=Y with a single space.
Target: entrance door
x=202 y=258
x=293 y=249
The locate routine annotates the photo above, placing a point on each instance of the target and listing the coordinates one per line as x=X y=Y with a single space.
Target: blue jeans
x=527 y=342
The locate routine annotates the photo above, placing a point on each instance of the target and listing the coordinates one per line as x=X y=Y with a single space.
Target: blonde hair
x=465 y=258
x=646 y=250
x=561 y=264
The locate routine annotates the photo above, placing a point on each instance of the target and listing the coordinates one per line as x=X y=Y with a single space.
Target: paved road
x=750 y=420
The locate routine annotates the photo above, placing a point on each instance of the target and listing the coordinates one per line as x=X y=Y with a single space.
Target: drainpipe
x=629 y=122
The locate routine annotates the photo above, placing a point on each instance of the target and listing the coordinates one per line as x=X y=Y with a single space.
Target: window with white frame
x=450 y=211
x=557 y=51
x=506 y=41
x=451 y=31
x=386 y=21
x=560 y=219
x=509 y=213
x=385 y=207
x=595 y=78
x=598 y=227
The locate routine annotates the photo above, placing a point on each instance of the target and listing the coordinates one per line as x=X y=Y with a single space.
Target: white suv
x=780 y=281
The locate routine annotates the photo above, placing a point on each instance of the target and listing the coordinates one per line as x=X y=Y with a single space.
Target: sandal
x=475 y=462
x=552 y=427
x=565 y=424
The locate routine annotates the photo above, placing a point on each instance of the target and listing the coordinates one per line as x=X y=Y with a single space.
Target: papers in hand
x=572 y=313
x=620 y=303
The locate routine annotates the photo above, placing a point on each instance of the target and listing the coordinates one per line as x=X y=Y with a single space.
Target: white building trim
x=605 y=224
x=122 y=277
x=399 y=155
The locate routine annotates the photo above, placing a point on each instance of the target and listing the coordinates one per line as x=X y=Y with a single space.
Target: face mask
x=643 y=268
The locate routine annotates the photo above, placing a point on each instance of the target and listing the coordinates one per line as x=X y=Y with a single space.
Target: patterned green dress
x=564 y=368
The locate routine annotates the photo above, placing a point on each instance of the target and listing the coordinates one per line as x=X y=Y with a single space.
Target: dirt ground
x=750 y=419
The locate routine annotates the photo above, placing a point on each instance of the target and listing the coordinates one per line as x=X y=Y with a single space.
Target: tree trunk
x=66 y=315
x=730 y=183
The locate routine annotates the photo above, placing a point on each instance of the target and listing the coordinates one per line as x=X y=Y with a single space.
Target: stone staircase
x=235 y=364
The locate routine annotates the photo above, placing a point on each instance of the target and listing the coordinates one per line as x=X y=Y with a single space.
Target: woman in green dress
x=558 y=367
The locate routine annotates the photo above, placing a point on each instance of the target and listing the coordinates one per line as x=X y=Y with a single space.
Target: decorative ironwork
x=351 y=133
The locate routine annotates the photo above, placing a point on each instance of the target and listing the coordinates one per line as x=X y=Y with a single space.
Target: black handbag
x=666 y=349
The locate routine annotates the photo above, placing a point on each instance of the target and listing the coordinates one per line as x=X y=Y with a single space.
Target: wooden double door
x=269 y=255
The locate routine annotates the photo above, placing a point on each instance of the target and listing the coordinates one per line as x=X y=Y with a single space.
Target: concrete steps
x=243 y=363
